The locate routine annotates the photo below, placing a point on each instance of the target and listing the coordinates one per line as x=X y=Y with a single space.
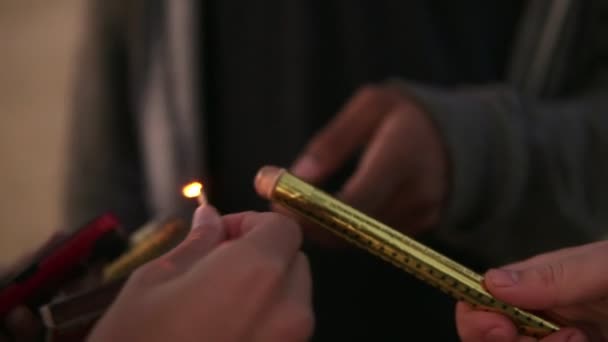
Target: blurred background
x=38 y=42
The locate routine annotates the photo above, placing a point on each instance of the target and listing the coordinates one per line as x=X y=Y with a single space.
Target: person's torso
x=275 y=72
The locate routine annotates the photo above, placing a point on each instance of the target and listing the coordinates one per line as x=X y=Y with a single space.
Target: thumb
x=555 y=283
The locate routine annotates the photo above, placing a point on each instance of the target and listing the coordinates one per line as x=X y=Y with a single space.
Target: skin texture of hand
x=401 y=178
x=569 y=284
x=239 y=277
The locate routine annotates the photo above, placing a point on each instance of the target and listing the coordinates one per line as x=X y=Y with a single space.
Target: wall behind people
x=37 y=48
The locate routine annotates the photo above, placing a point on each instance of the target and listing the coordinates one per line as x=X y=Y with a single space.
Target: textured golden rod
x=166 y=237
x=426 y=264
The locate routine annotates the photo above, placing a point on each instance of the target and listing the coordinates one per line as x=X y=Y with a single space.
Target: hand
x=402 y=176
x=236 y=278
x=570 y=284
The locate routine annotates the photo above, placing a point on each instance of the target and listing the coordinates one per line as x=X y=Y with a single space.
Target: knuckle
x=551 y=275
x=153 y=272
x=267 y=270
x=274 y=218
x=289 y=226
x=262 y=267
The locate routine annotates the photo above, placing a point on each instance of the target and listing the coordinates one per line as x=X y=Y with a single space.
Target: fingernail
x=496 y=335
x=502 y=278
x=204 y=216
x=306 y=168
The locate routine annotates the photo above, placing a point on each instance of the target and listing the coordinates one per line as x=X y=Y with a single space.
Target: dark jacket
x=527 y=155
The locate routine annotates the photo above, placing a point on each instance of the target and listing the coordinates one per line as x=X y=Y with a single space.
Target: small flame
x=193 y=190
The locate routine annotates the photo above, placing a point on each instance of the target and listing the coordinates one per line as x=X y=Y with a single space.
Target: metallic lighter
x=426 y=264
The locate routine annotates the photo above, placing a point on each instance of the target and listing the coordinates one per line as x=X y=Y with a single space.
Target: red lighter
x=48 y=272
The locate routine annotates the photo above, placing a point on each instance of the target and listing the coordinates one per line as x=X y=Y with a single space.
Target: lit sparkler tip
x=195 y=190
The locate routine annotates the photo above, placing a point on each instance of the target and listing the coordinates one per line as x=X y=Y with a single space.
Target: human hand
x=236 y=278
x=570 y=284
x=402 y=176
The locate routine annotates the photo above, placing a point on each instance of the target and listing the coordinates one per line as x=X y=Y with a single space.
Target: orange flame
x=192 y=190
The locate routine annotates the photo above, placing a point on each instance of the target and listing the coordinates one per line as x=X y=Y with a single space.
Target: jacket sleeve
x=527 y=175
x=103 y=167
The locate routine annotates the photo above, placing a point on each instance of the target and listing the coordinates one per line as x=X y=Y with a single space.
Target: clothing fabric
x=524 y=126
x=274 y=74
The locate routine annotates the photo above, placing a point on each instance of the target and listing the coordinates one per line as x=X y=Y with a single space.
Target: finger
x=410 y=215
x=566 y=335
x=312 y=231
x=233 y=223
x=377 y=177
x=271 y=233
x=557 y=283
x=207 y=233
x=298 y=287
x=249 y=271
x=291 y=319
x=350 y=129
x=474 y=325
x=554 y=255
